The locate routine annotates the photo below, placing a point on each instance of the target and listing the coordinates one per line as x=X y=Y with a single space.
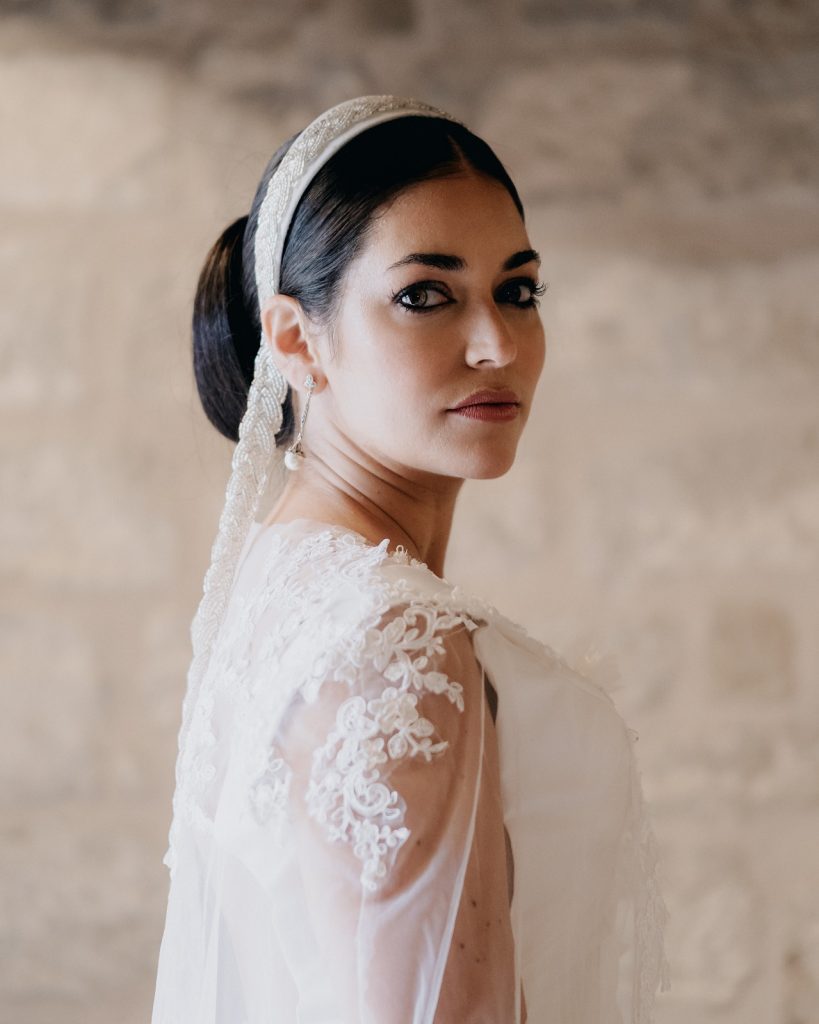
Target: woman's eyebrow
x=445 y=261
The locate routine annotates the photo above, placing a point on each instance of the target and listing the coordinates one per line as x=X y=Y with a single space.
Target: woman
x=354 y=838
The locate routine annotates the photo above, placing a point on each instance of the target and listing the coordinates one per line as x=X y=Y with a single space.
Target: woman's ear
x=285 y=326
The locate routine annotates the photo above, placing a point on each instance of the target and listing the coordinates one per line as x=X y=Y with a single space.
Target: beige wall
x=665 y=503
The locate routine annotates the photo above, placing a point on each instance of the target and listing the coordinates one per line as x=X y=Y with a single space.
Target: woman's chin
x=487 y=465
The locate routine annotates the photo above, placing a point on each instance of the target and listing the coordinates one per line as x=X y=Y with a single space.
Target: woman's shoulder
x=348 y=594
x=321 y=565
x=325 y=594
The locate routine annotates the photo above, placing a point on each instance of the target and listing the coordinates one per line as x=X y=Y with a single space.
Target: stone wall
x=665 y=504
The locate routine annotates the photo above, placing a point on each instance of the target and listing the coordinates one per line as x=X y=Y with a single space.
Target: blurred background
x=665 y=502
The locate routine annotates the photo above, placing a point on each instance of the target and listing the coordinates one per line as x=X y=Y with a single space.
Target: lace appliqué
x=346 y=791
x=269 y=793
x=245 y=659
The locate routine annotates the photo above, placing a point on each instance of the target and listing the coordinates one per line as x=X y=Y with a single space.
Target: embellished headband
x=256 y=447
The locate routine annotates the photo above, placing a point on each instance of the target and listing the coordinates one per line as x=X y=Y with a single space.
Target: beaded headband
x=256 y=447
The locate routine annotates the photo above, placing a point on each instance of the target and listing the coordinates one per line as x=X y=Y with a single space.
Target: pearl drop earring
x=294 y=455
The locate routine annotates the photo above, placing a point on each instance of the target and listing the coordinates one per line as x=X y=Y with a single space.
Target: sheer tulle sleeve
x=587 y=914
x=386 y=767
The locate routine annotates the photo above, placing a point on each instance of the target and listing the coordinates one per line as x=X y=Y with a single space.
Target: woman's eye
x=417 y=295
x=531 y=286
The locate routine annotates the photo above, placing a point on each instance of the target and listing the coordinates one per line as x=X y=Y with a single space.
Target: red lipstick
x=489 y=404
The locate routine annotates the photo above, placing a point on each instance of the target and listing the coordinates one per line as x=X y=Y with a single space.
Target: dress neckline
x=399 y=554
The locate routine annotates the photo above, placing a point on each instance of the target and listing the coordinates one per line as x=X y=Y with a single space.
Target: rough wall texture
x=666 y=498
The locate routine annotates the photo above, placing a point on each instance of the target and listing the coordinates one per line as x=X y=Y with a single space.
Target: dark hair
x=326 y=233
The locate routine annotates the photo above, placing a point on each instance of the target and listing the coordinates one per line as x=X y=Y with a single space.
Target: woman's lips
x=489 y=411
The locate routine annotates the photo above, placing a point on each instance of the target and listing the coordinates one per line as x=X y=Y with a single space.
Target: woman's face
x=414 y=340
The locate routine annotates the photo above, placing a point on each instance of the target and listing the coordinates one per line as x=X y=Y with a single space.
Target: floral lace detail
x=227 y=677
x=244 y=658
x=279 y=623
x=346 y=791
x=269 y=792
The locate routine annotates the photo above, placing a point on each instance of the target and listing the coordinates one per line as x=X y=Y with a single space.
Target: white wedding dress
x=394 y=806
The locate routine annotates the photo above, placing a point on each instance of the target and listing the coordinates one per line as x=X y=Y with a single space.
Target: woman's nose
x=490 y=337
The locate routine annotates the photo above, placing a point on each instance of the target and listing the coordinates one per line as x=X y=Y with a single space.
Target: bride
x=392 y=804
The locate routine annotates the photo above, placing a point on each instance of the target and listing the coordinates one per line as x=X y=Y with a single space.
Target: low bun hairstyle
x=327 y=231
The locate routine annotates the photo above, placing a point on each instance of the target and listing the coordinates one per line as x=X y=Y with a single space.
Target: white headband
x=319 y=141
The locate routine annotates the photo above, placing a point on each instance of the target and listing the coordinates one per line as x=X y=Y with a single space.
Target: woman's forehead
x=449 y=216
